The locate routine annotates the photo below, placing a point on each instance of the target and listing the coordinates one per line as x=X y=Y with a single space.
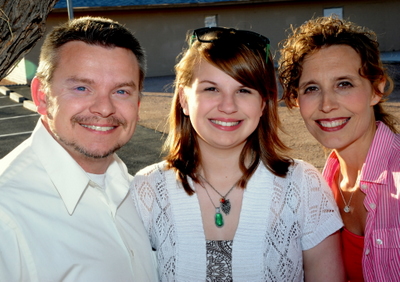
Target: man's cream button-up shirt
x=56 y=226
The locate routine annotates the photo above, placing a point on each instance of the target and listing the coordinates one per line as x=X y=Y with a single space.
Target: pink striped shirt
x=380 y=181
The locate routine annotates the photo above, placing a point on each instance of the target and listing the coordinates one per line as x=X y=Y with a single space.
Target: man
x=64 y=215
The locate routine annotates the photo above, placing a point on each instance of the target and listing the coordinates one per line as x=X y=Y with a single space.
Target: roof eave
x=164 y=6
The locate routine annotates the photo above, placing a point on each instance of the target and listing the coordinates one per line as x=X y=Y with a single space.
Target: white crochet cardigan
x=280 y=218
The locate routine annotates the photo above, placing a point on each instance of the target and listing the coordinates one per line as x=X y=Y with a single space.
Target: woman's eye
x=310 y=89
x=210 y=89
x=345 y=84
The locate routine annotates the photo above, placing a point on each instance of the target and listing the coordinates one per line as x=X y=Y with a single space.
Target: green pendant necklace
x=224 y=203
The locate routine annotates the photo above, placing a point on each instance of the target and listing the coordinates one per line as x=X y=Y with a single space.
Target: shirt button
x=367 y=252
x=379 y=241
x=132 y=253
x=372 y=206
x=364 y=186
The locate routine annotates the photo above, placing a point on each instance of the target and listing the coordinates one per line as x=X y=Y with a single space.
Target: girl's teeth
x=224 y=123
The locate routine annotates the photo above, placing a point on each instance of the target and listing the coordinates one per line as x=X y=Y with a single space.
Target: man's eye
x=81 y=88
x=122 y=92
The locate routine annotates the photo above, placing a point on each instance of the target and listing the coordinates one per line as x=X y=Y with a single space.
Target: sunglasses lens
x=209 y=35
x=212 y=34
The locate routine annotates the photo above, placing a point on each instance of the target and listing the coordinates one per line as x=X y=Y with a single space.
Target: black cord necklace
x=224 y=203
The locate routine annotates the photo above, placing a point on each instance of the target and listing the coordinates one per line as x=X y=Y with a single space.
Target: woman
x=332 y=70
x=226 y=204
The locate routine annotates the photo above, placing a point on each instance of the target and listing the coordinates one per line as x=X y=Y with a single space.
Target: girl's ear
x=39 y=96
x=183 y=101
x=264 y=104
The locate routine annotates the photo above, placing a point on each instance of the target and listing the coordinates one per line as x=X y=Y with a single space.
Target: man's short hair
x=91 y=30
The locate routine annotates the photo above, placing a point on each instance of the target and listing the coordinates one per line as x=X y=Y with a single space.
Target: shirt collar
x=376 y=163
x=68 y=177
x=117 y=183
x=331 y=166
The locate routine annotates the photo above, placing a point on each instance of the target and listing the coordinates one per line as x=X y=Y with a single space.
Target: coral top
x=352 y=249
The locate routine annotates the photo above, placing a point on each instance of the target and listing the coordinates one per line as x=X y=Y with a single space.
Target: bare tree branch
x=22 y=24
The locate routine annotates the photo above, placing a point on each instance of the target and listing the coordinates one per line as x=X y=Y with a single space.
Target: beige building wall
x=162 y=31
x=18 y=73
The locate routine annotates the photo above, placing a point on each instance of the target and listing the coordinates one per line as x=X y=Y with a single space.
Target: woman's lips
x=332 y=124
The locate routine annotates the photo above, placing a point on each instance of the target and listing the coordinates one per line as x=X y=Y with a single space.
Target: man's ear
x=39 y=96
x=138 y=111
x=183 y=101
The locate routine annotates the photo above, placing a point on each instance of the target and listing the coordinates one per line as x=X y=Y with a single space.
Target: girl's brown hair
x=248 y=66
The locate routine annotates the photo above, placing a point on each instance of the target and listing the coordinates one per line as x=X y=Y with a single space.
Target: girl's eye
x=210 y=89
x=244 y=90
